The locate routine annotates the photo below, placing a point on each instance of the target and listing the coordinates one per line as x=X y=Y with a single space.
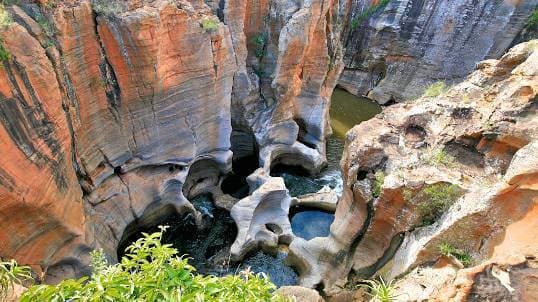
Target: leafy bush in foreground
x=152 y=271
x=10 y=274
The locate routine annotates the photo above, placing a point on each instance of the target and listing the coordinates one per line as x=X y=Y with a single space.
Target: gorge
x=215 y=117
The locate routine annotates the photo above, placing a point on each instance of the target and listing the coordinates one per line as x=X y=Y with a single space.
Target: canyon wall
x=116 y=113
x=456 y=170
x=397 y=50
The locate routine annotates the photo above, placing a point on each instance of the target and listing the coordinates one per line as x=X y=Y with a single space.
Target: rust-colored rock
x=116 y=113
x=458 y=169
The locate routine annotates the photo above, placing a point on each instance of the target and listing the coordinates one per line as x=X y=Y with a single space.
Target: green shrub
x=4 y=53
x=152 y=271
x=446 y=249
x=441 y=157
x=435 y=89
x=366 y=14
x=259 y=41
x=209 y=24
x=10 y=274
x=435 y=200
x=5 y=17
x=378 y=183
x=380 y=291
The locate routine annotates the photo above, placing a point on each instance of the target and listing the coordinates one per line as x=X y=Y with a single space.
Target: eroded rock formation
x=116 y=113
x=394 y=52
x=457 y=169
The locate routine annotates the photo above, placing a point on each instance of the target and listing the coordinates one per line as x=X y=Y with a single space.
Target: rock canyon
x=215 y=117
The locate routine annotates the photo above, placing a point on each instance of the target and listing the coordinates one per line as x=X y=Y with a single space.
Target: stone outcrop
x=115 y=114
x=394 y=53
x=457 y=169
x=262 y=218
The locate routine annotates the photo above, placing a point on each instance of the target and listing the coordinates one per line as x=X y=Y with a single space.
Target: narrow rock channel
x=208 y=245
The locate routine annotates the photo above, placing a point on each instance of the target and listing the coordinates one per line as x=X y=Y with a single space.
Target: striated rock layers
x=457 y=170
x=394 y=52
x=116 y=113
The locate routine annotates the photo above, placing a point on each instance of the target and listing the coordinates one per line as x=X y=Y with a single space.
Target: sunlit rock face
x=457 y=169
x=118 y=114
x=407 y=45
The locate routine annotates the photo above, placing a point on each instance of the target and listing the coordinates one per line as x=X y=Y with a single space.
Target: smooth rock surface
x=399 y=51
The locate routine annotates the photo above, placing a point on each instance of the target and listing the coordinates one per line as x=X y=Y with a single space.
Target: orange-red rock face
x=112 y=116
x=41 y=210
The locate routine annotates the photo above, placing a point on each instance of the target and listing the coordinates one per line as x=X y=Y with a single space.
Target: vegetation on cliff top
x=435 y=89
x=152 y=271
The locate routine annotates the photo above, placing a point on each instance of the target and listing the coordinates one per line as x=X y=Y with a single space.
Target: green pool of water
x=348 y=110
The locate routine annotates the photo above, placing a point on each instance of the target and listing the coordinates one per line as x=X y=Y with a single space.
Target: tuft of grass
x=259 y=41
x=435 y=89
x=435 y=200
x=367 y=13
x=446 y=249
x=380 y=291
x=12 y=273
x=441 y=157
x=209 y=24
x=378 y=183
x=151 y=272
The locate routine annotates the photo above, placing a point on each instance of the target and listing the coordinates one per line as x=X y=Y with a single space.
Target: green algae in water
x=348 y=110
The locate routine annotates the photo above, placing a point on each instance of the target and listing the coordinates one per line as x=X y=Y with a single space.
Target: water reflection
x=310 y=224
x=348 y=110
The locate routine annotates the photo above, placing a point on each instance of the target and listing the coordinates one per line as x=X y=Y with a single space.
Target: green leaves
x=10 y=274
x=152 y=271
x=378 y=183
x=435 y=89
x=446 y=249
x=380 y=291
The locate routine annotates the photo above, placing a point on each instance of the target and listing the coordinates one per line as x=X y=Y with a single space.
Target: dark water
x=273 y=266
x=348 y=110
x=208 y=247
x=310 y=224
x=300 y=183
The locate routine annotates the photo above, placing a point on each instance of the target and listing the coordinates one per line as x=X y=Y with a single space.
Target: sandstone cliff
x=394 y=52
x=456 y=170
x=115 y=113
